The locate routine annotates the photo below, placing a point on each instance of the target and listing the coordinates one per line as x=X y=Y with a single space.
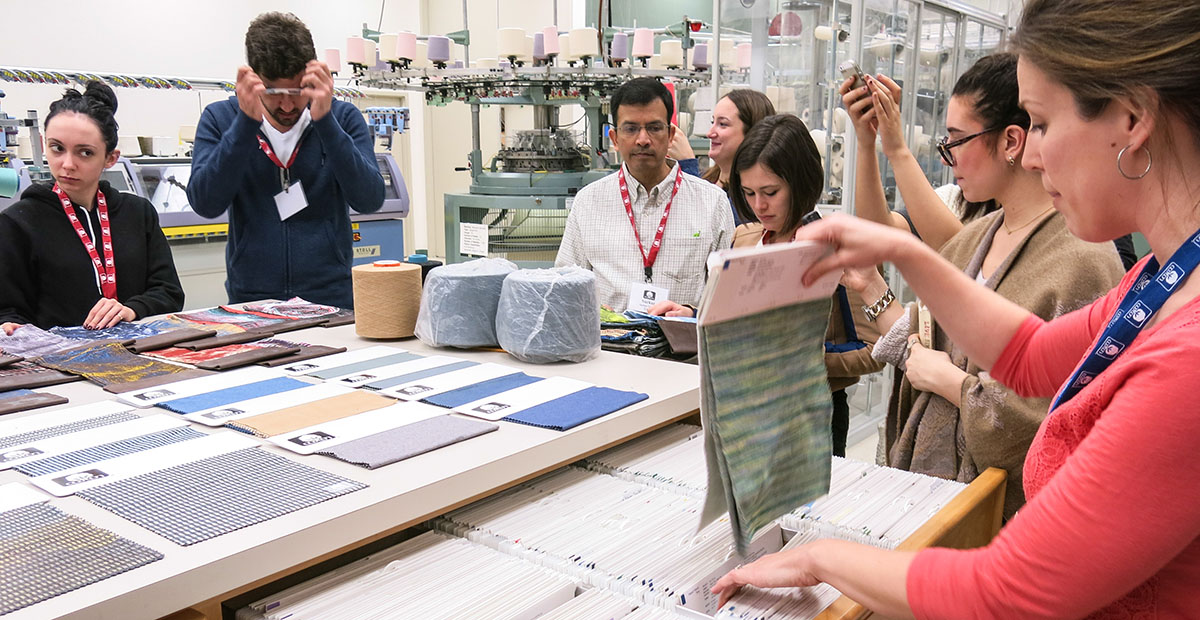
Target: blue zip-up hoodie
x=309 y=254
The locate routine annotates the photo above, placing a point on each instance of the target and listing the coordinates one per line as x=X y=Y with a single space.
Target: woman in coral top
x=1112 y=524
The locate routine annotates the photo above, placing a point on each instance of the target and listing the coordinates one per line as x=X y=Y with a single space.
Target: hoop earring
x=1149 y=163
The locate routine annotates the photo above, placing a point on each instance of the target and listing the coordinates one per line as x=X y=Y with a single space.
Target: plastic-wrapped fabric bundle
x=549 y=315
x=458 y=305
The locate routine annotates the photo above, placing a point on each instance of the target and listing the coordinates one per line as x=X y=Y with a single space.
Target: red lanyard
x=106 y=271
x=648 y=258
x=285 y=173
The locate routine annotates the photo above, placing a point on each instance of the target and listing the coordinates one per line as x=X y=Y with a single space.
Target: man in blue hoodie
x=286 y=160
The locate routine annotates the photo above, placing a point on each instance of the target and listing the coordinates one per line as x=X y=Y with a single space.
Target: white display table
x=399 y=495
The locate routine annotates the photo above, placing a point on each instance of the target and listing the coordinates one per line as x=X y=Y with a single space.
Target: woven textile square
x=766 y=407
x=63 y=429
x=196 y=501
x=111 y=450
x=45 y=552
x=108 y=363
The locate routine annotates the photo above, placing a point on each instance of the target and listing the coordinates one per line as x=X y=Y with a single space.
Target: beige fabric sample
x=300 y=416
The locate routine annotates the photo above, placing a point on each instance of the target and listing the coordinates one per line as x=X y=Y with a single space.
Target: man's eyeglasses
x=654 y=130
x=944 y=146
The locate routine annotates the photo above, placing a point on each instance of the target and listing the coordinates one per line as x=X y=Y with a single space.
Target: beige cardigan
x=1050 y=273
x=843 y=368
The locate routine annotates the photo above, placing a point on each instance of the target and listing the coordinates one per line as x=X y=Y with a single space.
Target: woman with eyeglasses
x=947 y=417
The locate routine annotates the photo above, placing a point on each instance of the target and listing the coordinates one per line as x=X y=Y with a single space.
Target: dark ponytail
x=97 y=102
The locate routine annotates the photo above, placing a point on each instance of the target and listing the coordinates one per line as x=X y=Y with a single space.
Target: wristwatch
x=874 y=310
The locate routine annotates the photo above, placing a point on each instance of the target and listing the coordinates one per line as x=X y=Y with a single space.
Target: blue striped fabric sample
x=339 y=371
x=483 y=389
x=196 y=501
x=237 y=393
x=15 y=393
x=383 y=384
x=63 y=429
x=572 y=410
x=95 y=454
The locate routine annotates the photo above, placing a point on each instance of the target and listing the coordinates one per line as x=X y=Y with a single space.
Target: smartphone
x=850 y=69
x=810 y=217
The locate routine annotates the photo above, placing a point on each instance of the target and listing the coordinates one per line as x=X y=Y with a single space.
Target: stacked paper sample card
x=764 y=397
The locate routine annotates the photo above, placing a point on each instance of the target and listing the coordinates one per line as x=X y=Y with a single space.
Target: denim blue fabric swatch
x=483 y=389
x=237 y=393
x=572 y=410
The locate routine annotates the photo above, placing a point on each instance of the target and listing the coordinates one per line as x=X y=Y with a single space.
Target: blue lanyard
x=1140 y=303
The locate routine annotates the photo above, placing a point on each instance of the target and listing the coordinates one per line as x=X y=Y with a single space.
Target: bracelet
x=874 y=310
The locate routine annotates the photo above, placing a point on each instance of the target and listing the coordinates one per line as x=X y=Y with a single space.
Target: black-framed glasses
x=944 y=146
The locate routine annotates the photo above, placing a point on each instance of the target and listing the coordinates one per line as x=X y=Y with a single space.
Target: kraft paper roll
x=387 y=298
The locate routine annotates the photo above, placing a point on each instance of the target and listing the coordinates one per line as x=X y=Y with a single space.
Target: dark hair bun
x=101 y=93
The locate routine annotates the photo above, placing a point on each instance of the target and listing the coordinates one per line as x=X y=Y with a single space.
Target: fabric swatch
x=338 y=371
x=45 y=552
x=9 y=360
x=123 y=332
x=246 y=358
x=208 y=400
x=574 y=409
x=188 y=356
x=107 y=363
x=28 y=341
x=30 y=375
x=24 y=400
x=111 y=450
x=397 y=444
x=168 y=338
x=245 y=320
x=343 y=317
x=149 y=382
x=765 y=404
x=294 y=308
x=202 y=499
x=307 y=352
x=420 y=374
x=297 y=417
x=222 y=340
x=64 y=429
x=483 y=389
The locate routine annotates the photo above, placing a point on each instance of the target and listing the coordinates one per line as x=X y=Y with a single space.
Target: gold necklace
x=1004 y=222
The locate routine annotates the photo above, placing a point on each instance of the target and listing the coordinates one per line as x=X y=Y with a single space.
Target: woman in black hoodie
x=79 y=252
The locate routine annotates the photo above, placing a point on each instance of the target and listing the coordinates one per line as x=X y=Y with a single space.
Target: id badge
x=291 y=201
x=642 y=296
